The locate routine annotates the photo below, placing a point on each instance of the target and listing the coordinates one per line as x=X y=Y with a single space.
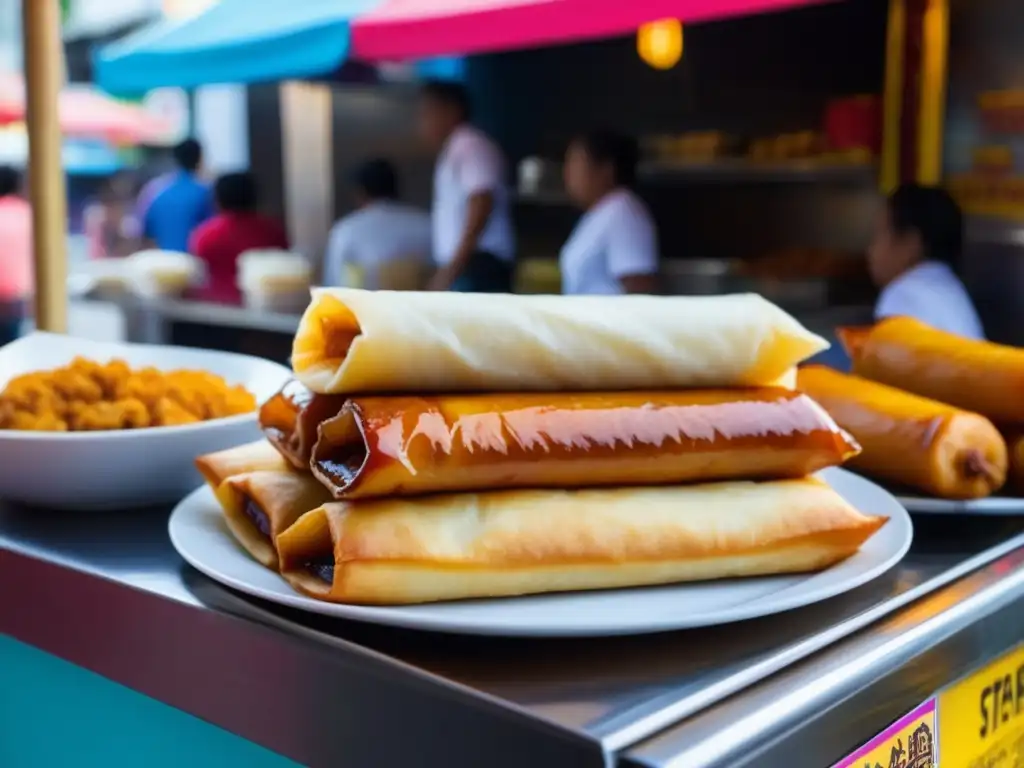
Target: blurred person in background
x=236 y=228
x=109 y=220
x=474 y=244
x=171 y=206
x=15 y=255
x=912 y=259
x=383 y=231
x=614 y=246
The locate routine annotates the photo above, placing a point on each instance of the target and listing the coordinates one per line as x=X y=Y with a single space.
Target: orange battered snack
x=90 y=396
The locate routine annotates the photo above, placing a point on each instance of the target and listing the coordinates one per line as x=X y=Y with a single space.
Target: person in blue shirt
x=173 y=205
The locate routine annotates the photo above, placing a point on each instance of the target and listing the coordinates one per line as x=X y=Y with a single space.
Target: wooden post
x=43 y=75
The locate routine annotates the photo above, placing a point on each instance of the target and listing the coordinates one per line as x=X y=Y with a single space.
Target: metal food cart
x=109 y=594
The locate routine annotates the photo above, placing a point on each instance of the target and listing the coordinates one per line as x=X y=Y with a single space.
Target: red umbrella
x=86 y=113
x=407 y=29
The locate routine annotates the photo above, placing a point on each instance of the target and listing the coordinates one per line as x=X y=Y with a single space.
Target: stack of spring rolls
x=446 y=446
x=933 y=411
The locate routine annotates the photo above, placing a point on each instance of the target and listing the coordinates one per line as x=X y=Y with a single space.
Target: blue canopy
x=235 y=41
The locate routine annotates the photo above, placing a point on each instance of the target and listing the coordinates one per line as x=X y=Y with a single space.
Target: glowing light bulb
x=660 y=43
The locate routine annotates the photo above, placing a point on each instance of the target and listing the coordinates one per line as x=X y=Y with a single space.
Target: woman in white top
x=917 y=242
x=384 y=242
x=614 y=247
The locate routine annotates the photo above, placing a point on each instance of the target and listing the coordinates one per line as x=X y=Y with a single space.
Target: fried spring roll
x=382 y=446
x=449 y=547
x=974 y=375
x=352 y=341
x=218 y=467
x=259 y=506
x=910 y=440
x=290 y=419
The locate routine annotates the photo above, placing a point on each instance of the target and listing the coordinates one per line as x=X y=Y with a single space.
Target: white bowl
x=126 y=468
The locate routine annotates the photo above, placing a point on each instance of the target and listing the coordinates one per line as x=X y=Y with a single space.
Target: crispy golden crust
x=519 y=542
x=218 y=467
x=282 y=495
x=910 y=440
x=975 y=375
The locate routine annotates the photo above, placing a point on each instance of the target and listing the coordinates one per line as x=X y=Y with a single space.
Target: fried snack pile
x=90 y=396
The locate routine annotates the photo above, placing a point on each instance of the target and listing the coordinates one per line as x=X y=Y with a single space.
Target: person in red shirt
x=236 y=228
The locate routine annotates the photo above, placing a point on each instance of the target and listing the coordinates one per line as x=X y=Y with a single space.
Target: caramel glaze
x=911 y=440
x=975 y=375
x=380 y=446
x=291 y=417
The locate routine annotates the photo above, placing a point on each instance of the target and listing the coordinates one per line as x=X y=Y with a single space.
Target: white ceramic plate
x=993 y=505
x=128 y=468
x=200 y=536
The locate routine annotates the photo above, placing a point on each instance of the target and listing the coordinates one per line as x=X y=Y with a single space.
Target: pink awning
x=405 y=29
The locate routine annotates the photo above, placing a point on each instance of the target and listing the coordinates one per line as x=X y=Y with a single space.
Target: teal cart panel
x=54 y=714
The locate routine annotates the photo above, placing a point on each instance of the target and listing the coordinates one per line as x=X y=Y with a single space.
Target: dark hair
x=933 y=214
x=447 y=94
x=188 y=155
x=377 y=179
x=236 y=192
x=10 y=181
x=614 y=149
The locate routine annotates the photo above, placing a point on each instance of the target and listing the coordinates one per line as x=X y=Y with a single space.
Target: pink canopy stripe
x=403 y=29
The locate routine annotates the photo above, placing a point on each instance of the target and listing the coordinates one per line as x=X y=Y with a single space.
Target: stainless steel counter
x=108 y=593
x=148 y=319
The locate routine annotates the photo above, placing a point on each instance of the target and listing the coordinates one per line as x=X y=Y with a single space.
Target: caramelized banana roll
x=386 y=446
x=251 y=457
x=975 y=375
x=290 y=419
x=259 y=506
x=910 y=440
x=501 y=543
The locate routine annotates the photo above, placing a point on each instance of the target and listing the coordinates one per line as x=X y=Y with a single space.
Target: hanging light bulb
x=660 y=43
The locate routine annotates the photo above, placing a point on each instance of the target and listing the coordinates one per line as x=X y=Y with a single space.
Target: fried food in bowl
x=87 y=395
x=97 y=425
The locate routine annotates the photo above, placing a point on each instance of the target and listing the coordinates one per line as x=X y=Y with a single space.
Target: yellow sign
x=981 y=718
x=907 y=743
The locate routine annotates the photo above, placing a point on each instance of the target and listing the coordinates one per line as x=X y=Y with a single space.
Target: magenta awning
x=406 y=29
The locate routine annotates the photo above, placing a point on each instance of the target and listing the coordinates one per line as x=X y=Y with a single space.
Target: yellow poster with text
x=981 y=718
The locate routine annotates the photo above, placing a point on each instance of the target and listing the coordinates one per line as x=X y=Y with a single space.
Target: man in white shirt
x=474 y=244
x=384 y=244
x=917 y=243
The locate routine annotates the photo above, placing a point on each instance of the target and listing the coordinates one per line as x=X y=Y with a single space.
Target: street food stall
x=121 y=644
x=194 y=52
